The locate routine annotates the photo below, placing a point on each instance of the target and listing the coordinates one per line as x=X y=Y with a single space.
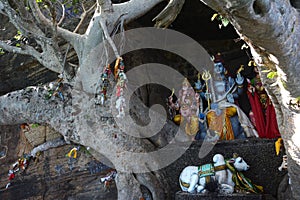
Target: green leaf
x=34 y=125
x=68 y=5
x=39 y=1
x=271 y=75
x=75 y=2
x=76 y=11
x=225 y=22
x=1 y=51
x=18 y=45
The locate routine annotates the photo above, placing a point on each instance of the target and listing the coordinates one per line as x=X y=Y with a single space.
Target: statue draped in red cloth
x=258 y=119
x=263 y=110
x=272 y=130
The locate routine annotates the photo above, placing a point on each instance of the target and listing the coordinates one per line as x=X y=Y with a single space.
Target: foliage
x=224 y=21
x=17 y=41
x=49 y=94
x=1 y=51
x=18 y=37
x=72 y=6
x=271 y=75
x=34 y=125
x=85 y=150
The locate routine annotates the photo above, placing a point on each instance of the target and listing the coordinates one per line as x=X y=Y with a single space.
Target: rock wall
x=51 y=177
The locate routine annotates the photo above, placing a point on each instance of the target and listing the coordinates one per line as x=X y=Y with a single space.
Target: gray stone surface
x=258 y=153
x=186 y=196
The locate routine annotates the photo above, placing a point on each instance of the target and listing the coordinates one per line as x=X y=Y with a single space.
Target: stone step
x=213 y=196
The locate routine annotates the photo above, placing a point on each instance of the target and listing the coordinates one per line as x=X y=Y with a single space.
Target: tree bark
x=79 y=121
x=76 y=116
x=272 y=31
x=169 y=13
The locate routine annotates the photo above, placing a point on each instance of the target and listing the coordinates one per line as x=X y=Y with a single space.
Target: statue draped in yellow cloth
x=220 y=122
x=188 y=108
x=229 y=122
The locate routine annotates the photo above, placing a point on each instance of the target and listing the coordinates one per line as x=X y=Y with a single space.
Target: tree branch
x=134 y=9
x=104 y=5
x=27 y=29
x=22 y=11
x=52 y=58
x=31 y=30
x=37 y=13
x=73 y=38
x=30 y=105
x=169 y=13
x=63 y=14
x=2 y=8
x=24 y=50
x=128 y=11
x=84 y=16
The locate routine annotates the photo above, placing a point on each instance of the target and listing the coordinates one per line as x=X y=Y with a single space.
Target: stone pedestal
x=187 y=196
x=259 y=154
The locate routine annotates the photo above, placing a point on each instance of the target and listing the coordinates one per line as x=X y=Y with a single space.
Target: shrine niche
x=214 y=97
x=208 y=108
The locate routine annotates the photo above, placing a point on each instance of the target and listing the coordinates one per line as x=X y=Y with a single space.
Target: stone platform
x=259 y=154
x=187 y=196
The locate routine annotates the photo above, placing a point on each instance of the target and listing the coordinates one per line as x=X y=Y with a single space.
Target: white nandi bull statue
x=194 y=178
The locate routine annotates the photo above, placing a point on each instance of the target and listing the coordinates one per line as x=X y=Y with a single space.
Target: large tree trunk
x=75 y=116
x=80 y=121
x=272 y=31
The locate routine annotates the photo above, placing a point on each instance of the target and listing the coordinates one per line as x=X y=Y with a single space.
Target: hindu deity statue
x=189 y=109
x=224 y=117
x=208 y=110
x=262 y=112
x=173 y=108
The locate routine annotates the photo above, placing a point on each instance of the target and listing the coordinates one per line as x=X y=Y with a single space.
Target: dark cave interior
x=195 y=21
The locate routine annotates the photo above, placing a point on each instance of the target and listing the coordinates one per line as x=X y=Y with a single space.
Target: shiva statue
x=223 y=116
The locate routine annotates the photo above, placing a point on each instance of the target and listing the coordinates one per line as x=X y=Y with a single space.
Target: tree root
x=48 y=145
x=141 y=186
